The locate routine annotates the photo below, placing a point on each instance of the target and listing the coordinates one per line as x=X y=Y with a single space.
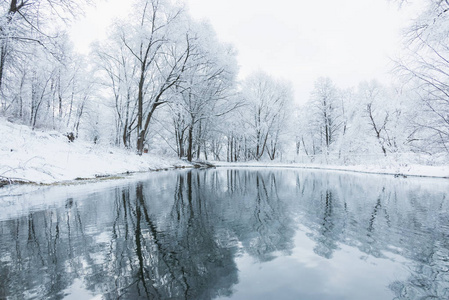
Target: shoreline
x=442 y=172
x=4 y=181
x=47 y=158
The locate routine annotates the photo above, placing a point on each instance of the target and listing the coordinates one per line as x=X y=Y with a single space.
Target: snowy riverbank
x=393 y=169
x=48 y=157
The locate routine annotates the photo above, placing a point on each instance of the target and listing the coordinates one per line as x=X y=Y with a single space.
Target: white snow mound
x=48 y=157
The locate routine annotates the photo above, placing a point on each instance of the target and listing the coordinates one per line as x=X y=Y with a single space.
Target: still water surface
x=228 y=233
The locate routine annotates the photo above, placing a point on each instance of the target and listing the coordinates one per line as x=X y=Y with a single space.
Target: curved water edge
x=198 y=164
x=220 y=233
x=397 y=172
x=4 y=181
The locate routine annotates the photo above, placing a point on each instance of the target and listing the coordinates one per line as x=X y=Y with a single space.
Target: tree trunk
x=190 y=144
x=235 y=151
x=140 y=131
x=2 y=62
x=205 y=150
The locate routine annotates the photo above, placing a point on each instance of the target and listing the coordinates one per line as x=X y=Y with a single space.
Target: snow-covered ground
x=390 y=168
x=48 y=157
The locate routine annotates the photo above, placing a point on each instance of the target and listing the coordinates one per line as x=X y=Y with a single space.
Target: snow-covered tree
x=325 y=114
x=28 y=29
x=118 y=76
x=425 y=67
x=154 y=49
x=268 y=103
x=353 y=125
x=204 y=93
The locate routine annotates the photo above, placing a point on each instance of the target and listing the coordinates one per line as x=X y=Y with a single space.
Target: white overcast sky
x=346 y=40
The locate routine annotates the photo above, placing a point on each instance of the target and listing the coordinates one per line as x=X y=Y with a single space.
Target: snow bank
x=48 y=157
x=390 y=169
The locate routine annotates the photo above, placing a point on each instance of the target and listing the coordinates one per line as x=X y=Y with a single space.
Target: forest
x=162 y=82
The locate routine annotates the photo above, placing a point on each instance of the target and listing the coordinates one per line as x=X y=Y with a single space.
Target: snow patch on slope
x=48 y=157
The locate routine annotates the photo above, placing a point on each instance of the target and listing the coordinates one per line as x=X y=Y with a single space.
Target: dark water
x=241 y=234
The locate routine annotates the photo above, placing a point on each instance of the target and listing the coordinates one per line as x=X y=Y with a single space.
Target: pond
x=228 y=234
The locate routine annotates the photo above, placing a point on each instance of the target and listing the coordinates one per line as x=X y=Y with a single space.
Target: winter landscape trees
x=37 y=82
x=163 y=82
x=426 y=66
x=265 y=115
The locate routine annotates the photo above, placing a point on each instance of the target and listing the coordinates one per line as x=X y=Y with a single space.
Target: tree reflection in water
x=177 y=235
